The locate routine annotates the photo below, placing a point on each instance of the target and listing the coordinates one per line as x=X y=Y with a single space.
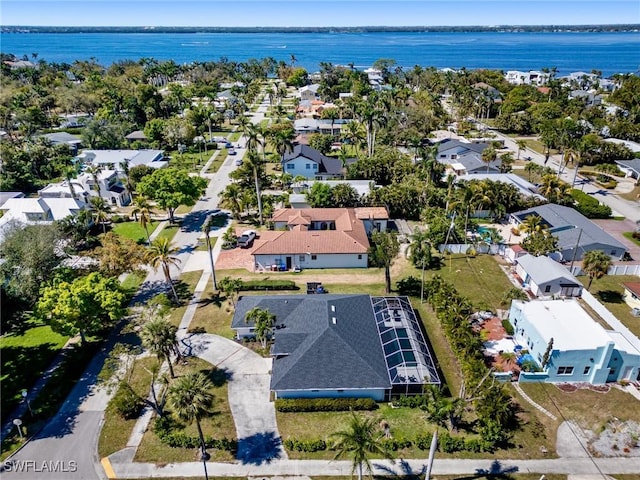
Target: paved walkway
x=528 y=399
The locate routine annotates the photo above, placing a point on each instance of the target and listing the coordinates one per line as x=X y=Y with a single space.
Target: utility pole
x=206 y=228
x=575 y=252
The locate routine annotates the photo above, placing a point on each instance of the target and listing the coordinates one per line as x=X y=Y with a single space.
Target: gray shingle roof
x=329 y=165
x=566 y=224
x=543 y=270
x=311 y=352
x=631 y=164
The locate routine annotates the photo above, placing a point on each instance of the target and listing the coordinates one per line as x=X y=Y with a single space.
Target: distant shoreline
x=623 y=28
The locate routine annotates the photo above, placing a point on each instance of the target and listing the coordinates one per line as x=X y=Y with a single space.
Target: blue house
x=581 y=349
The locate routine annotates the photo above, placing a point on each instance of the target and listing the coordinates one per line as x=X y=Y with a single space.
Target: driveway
x=249 y=376
x=616 y=228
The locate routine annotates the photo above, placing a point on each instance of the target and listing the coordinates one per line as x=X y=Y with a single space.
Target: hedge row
x=324 y=404
x=446 y=444
x=589 y=206
x=164 y=428
x=268 y=285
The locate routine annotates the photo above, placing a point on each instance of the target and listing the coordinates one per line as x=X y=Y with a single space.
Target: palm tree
x=162 y=254
x=532 y=223
x=142 y=211
x=282 y=141
x=253 y=162
x=190 y=398
x=522 y=145
x=354 y=132
x=206 y=228
x=124 y=166
x=159 y=337
x=331 y=114
x=263 y=321
x=489 y=155
x=530 y=168
x=94 y=171
x=101 y=211
x=382 y=253
x=358 y=441
x=230 y=199
x=596 y=264
x=69 y=175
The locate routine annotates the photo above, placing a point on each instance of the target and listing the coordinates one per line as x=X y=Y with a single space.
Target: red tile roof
x=633 y=287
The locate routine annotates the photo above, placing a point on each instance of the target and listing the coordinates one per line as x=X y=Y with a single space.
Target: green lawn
x=133 y=230
x=116 y=430
x=168 y=232
x=608 y=290
x=133 y=281
x=185 y=288
x=219 y=424
x=629 y=235
x=219 y=160
x=25 y=356
x=190 y=161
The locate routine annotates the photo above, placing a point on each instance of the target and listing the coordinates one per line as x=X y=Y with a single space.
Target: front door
x=288 y=263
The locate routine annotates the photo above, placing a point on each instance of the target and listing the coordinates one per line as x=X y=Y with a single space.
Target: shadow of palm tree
x=406 y=471
x=609 y=296
x=259 y=448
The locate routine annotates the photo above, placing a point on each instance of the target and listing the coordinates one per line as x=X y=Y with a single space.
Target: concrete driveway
x=249 y=377
x=616 y=228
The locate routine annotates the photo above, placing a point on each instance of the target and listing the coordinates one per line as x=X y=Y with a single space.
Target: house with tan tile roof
x=320 y=238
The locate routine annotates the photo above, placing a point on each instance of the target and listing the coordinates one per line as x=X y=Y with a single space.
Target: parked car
x=246 y=239
x=231 y=151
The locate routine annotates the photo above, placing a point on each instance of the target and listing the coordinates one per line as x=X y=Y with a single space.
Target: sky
x=301 y=13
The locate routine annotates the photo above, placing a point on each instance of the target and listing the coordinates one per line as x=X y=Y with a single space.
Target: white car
x=238 y=162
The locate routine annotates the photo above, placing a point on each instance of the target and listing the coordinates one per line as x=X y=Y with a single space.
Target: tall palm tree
x=159 y=337
x=69 y=175
x=142 y=211
x=354 y=132
x=206 y=228
x=282 y=141
x=253 y=162
x=94 y=171
x=101 y=211
x=230 y=199
x=190 y=398
x=596 y=264
x=522 y=145
x=358 y=441
x=124 y=166
x=489 y=155
x=162 y=254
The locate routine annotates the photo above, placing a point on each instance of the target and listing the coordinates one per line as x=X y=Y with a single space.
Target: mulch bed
x=572 y=387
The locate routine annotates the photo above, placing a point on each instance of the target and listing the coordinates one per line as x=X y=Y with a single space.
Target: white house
x=110 y=188
x=546 y=278
x=319 y=238
x=310 y=163
x=309 y=92
x=532 y=77
x=580 y=349
x=113 y=159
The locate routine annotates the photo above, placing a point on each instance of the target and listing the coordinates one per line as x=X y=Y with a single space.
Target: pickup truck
x=246 y=239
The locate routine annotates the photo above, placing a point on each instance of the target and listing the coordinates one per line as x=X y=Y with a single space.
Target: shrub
x=395 y=444
x=423 y=441
x=409 y=286
x=165 y=428
x=449 y=444
x=305 y=445
x=126 y=402
x=416 y=401
x=324 y=404
x=507 y=327
x=268 y=285
x=589 y=206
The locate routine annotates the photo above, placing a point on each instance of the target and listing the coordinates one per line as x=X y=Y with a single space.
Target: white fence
x=623 y=269
x=492 y=249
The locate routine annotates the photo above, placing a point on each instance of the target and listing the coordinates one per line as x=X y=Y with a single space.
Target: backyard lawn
x=608 y=290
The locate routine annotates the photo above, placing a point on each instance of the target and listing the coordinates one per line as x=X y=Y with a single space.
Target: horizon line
x=333 y=26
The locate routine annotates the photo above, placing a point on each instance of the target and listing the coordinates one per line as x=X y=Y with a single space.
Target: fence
x=608 y=317
x=621 y=269
x=492 y=249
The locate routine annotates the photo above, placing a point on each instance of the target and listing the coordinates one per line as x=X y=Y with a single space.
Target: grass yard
x=133 y=230
x=168 y=232
x=629 y=236
x=219 y=424
x=213 y=315
x=608 y=290
x=235 y=136
x=116 y=430
x=587 y=408
x=185 y=288
x=633 y=195
x=133 y=281
x=219 y=160
x=190 y=161
x=25 y=356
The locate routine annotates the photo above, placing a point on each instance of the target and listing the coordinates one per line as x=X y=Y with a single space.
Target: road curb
x=108 y=469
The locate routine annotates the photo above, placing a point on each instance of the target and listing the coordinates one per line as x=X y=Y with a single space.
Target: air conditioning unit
x=635 y=312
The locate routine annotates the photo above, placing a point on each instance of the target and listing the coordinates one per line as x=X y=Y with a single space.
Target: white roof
x=458 y=166
x=115 y=157
x=544 y=269
x=18 y=208
x=633 y=146
x=570 y=326
x=62 y=188
x=523 y=186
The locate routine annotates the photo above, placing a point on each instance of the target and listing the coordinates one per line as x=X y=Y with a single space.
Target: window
x=290 y=166
x=360 y=257
x=302 y=258
x=453 y=157
x=565 y=370
x=586 y=371
x=613 y=252
x=547 y=289
x=443 y=156
x=314 y=257
x=308 y=166
x=315 y=166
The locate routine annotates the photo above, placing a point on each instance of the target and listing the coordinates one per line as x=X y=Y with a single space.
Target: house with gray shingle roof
x=310 y=163
x=330 y=346
x=465 y=158
x=544 y=277
x=576 y=234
